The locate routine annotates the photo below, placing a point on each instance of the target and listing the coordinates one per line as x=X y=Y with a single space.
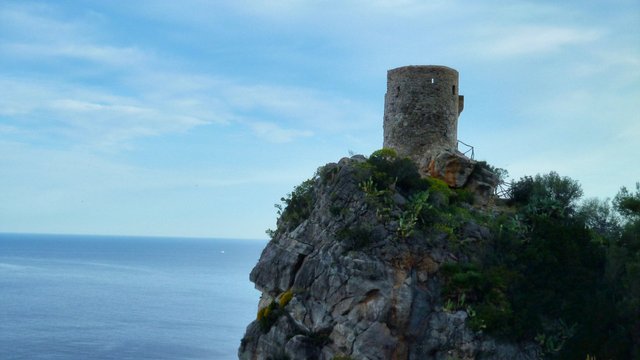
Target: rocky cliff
x=357 y=269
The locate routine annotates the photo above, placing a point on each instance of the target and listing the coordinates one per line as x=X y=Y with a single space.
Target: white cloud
x=114 y=124
x=161 y=98
x=295 y=105
x=323 y=11
x=174 y=102
x=102 y=54
x=84 y=106
x=513 y=41
x=92 y=116
x=38 y=33
x=274 y=133
x=29 y=21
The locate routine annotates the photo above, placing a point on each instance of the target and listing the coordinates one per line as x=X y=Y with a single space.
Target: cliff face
x=354 y=271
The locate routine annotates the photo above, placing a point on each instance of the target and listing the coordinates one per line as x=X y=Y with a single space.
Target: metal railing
x=503 y=190
x=468 y=149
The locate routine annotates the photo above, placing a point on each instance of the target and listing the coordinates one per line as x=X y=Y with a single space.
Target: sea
x=106 y=297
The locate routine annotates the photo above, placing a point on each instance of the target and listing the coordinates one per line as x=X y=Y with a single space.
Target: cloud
x=173 y=103
x=39 y=33
x=84 y=106
x=294 y=104
x=108 y=55
x=81 y=115
x=29 y=21
x=274 y=133
x=514 y=41
x=114 y=124
x=130 y=92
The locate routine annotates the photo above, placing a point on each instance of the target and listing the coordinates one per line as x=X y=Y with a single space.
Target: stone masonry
x=421 y=110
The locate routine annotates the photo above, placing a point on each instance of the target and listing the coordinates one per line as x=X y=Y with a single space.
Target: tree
x=628 y=204
x=546 y=195
x=599 y=216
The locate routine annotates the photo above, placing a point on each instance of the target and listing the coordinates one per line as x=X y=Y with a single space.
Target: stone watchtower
x=421 y=111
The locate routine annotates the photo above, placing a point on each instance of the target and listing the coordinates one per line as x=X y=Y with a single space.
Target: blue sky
x=192 y=118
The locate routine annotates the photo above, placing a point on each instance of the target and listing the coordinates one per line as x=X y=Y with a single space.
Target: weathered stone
x=421 y=110
x=450 y=166
x=376 y=342
x=380 y=301
x=482 y=183
x=276 y=273
x=473 y=231
x=301 y=347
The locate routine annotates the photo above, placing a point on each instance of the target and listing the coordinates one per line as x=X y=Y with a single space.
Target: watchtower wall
x=421 y=110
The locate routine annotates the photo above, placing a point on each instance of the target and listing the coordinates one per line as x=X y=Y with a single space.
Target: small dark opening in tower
x=453 y=89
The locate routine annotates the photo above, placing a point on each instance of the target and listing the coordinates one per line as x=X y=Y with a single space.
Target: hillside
x=372 y=261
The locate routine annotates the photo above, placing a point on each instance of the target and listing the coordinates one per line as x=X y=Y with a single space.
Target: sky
x=193 y=118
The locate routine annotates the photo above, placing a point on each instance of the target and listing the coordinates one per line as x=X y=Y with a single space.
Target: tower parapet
x=421 y=110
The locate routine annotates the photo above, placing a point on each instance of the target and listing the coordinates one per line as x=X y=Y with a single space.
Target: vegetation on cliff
x=540 y=266
x=564 y=273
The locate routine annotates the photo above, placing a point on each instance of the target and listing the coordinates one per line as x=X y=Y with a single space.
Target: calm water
x=88 y=297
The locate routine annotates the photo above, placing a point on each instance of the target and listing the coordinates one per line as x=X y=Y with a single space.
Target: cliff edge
x=366 y=263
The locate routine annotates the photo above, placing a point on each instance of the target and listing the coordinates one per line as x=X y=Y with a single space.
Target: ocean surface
x=100 y=297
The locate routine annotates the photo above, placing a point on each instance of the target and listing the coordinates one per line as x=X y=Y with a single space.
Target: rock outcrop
x=421 y=110
x=458 y=171
x=354 y=272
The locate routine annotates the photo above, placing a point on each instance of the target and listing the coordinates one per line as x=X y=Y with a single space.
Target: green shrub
x=627 y=203
x=285 y=297
x=268 y=315
x=406 y=225
x=546 y=195
x=438 y=185
x=445 y=229
x=418 y=204
x=482 y=292
x=386 y=154
x=460 y=196
x=461 y=280
x=370 y=187
x=297 y=205
x=327 y=173
x=357 y=237
x=502 y=174
x=389 y=170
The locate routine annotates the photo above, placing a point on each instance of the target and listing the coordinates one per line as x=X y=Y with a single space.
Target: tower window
x=433 y=80
x=453 y=89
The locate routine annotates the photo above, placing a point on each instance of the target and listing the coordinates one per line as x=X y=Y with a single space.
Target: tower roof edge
x=422 y=69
